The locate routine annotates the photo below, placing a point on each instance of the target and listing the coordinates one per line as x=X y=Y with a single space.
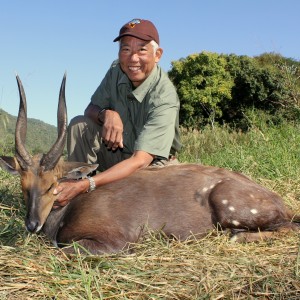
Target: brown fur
x=179 y=200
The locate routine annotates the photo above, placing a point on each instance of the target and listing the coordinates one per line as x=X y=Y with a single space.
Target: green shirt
x=150 y=112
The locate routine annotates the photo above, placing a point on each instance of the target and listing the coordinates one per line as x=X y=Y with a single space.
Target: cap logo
x=134 y=22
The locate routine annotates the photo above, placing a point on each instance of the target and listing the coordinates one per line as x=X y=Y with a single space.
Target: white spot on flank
x=231 y=208
x=254 y=211
x=205 y=189
x=225 y=201
x=212 y=186
x=234 y=239
x=252 y=196
x=235 y=223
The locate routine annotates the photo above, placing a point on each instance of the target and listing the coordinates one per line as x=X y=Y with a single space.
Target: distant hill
x=40 y=136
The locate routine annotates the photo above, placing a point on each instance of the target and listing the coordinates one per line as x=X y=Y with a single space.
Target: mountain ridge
x=39 y=139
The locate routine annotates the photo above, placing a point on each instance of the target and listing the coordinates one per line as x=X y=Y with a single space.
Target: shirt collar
x=140 y=92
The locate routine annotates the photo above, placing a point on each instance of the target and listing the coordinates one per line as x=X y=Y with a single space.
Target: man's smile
x=134 y=69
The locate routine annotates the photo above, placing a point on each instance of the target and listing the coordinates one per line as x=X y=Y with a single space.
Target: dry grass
x=211 y=268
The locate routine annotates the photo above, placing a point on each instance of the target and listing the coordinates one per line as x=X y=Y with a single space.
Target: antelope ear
x=81 y=171
x=9 y=164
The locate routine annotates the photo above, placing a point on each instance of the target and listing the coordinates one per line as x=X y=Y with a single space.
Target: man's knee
x=78 y=121
x=82 y=124
x=83 y=140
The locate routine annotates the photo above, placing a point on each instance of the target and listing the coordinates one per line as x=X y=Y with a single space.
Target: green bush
x=204 y=87
x=254 y=86
x=221 y=88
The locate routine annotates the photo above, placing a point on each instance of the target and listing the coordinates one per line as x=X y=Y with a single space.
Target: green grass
x=210 y=268
x=272 y=154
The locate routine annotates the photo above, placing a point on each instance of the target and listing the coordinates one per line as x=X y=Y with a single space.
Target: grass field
x=210 y=268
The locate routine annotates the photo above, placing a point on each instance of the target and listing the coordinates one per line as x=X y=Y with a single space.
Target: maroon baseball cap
x=141 y=29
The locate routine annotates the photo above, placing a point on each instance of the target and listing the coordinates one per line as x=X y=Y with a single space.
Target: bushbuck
x=181 y=200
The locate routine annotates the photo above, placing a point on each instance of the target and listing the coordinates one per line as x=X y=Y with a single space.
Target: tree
x=204 y=87
x=221 y=88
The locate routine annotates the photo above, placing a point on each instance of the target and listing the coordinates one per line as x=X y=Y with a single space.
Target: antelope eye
x=49 y=189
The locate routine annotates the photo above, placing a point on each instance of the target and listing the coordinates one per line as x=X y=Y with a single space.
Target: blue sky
x=40 y=40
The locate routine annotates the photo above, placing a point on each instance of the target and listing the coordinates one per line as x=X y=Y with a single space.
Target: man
x=132 y=119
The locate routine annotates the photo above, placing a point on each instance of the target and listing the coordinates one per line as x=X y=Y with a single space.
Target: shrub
x=203 y=86
x=221 y=88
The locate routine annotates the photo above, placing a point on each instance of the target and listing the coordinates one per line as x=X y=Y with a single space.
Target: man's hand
x=112 y=125
x=69 y=189
x=112 y=130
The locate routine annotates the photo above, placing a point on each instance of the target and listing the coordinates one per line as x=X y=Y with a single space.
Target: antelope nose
x=31 y=225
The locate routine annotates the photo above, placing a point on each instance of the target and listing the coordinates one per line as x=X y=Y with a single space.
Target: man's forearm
x=124 y=168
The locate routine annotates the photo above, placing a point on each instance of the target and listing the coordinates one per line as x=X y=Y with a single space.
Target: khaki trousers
x=84 y=144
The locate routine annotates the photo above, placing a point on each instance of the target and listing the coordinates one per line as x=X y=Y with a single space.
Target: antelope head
x=40 y=173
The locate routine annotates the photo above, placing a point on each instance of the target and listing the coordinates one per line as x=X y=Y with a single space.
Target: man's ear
x=82 y=171
x=158 y=54
x=9 y=164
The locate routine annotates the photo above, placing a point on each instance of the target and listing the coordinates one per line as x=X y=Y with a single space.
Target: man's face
x=137 y=58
